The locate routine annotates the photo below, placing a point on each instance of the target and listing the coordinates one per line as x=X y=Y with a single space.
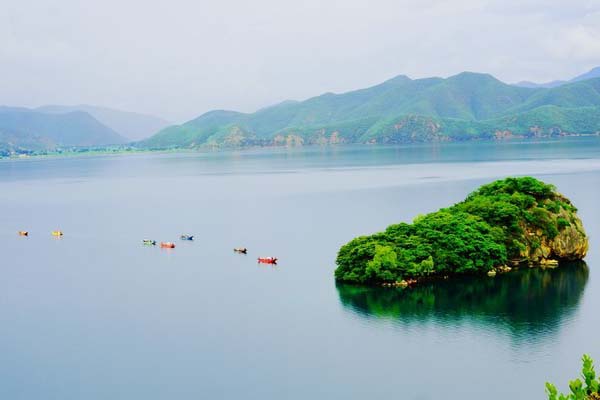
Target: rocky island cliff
x=514 y=221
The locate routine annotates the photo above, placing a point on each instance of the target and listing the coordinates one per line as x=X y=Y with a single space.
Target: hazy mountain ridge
x=593 y=73
x=401 y=110
x=131 y=125
x=23 y=128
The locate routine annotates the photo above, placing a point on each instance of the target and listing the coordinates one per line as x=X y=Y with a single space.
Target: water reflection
x=526 y=301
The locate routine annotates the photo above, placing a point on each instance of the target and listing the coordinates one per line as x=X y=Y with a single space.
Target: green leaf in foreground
x=580 y=390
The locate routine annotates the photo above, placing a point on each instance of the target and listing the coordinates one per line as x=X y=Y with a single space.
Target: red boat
x=167 y=245
x=267 y=260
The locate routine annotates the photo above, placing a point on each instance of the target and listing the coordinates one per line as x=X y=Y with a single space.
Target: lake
x=97 y=315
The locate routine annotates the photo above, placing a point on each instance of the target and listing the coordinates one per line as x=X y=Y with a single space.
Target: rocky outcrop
x=569 y=243
x=289 y=140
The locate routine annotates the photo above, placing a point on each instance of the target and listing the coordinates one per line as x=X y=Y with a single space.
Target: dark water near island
x=96 y=315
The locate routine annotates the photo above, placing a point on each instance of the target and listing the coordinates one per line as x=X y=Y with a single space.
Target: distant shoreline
x=126 y=150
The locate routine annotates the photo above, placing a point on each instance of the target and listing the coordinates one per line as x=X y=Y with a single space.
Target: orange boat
x=167 y=245
x=267 y=260
x=23 y=233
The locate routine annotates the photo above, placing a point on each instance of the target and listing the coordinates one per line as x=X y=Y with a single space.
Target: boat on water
x=187 y=237
x=267 y=260
x=167 y=245
x=23 y=233
x=242 y=250
x=149 y=242
x=57 y=233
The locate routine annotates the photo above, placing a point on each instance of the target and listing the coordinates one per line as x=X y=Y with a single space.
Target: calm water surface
x=96 y=315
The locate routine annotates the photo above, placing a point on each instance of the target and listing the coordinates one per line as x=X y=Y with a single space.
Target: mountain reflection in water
x=525 y=301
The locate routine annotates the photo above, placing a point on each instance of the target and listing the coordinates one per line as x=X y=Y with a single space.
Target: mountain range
x=26 y=129
x=467 y=106
x=131 y=125
x=51 y=127
x=594 y=73
x=402 y=110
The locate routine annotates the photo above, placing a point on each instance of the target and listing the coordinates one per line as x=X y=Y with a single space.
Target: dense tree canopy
x=493 y=225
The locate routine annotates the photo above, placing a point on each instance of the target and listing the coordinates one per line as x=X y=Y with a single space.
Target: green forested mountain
x=25 y=129
x=401 y=110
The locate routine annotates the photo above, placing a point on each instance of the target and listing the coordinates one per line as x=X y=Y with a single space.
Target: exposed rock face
x=288 y=140
x=571 y=242
x=504 y=134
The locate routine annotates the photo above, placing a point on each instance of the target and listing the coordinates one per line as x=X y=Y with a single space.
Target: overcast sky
x=181 y=58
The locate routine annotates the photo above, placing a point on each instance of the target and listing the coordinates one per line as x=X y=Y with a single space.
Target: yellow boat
x=57 y=233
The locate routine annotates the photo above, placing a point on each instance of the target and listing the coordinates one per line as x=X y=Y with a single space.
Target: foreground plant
x=580 y=390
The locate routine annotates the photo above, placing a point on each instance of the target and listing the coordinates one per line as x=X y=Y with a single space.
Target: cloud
x=181 y=58
x=578 y=41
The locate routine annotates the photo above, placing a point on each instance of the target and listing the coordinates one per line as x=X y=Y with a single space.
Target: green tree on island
x=514 y=219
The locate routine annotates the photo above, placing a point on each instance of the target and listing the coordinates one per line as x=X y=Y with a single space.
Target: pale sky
x=178 y=59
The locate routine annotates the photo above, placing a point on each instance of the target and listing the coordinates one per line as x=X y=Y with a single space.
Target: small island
x=514 y=221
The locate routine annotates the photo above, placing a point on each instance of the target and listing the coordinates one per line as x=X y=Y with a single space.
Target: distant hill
x=133 y=126
x=401 y=110
x=594 y=73
x=529 y=84
x=22 y=128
